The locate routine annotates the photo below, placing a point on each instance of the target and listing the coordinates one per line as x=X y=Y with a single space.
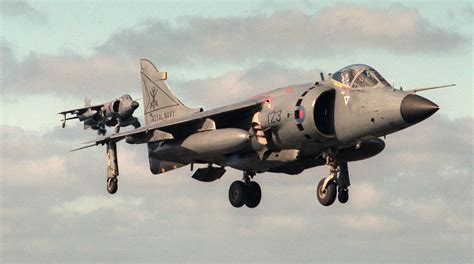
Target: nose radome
x=135 y=105
x=415 y=108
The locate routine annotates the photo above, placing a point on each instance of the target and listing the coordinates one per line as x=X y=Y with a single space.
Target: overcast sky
x=411 y=203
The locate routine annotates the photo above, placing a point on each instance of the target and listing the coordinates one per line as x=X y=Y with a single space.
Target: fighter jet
x=333 y=121
x=117 y=113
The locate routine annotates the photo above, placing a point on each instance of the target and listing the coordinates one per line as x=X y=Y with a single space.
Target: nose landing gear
x=326 y=192
x=336 y=184
x=245 y=192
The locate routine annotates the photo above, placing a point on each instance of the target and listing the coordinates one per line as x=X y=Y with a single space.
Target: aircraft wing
x=173 y=128
x=82 y=110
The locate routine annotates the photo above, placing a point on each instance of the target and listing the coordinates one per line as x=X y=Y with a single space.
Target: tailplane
x=159 y=101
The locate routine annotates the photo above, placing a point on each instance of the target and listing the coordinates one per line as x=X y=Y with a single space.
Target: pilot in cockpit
x=365 y=79
x=346 y=77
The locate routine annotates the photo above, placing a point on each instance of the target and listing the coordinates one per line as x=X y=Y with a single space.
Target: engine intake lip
x=116 y=106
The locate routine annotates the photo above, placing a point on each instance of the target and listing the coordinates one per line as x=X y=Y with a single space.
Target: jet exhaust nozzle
x=415 y=108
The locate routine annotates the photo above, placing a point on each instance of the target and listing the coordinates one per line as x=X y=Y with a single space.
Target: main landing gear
x=336 y=184
x=245 y=192
x=101 y=131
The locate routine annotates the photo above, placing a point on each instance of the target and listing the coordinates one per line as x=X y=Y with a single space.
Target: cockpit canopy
x=359 y=76
x=126 y=97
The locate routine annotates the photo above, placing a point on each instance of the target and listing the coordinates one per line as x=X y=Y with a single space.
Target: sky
x=411 y=203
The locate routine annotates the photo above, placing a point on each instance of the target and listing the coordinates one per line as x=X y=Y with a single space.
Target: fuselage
x=296 y=123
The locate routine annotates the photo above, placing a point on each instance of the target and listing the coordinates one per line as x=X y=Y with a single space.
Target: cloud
x=229 y=87
x=426 y=210
x=369 y=222
x=106 y=75
x=460 y=224
x=27 y=160
x=190 y=42
x=282 y=223
x=283 y=35
x=365 y=195
x=85 y=205
x=66 y=73
x=21 y=8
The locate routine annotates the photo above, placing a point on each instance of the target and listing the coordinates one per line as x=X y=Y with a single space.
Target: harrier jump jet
x=117 y=113
x=330 y=122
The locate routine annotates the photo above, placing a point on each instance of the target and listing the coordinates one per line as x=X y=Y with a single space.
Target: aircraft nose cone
x=135 y=105
x=415 y=108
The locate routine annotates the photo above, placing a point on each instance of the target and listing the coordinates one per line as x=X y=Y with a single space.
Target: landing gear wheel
x=112 y=185
x=343 y=195
x=237 y=194
x=327 y=196
x=102 y=131
x=254 y=194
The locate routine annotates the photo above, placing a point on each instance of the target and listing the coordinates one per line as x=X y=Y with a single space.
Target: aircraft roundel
x=300 y=114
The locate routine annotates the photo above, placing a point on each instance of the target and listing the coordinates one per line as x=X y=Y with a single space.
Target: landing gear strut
x=117 y=128
x=245 y=192
x=336 y=184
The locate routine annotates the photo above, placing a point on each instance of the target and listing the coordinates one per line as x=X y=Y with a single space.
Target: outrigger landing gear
x=112 y=168
x=112 y=185
x=337 y=182
x=245 y=192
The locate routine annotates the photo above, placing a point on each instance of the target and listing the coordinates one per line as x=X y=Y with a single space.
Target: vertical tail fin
x=159 y=102
x=87 y=101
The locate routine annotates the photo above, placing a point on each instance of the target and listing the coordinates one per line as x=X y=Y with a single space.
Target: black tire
x=254 y=195
x=102 y=131
x=112 y=185
x=237 y=194
x=136 y=125
x=343 y=195
x=328 y=196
